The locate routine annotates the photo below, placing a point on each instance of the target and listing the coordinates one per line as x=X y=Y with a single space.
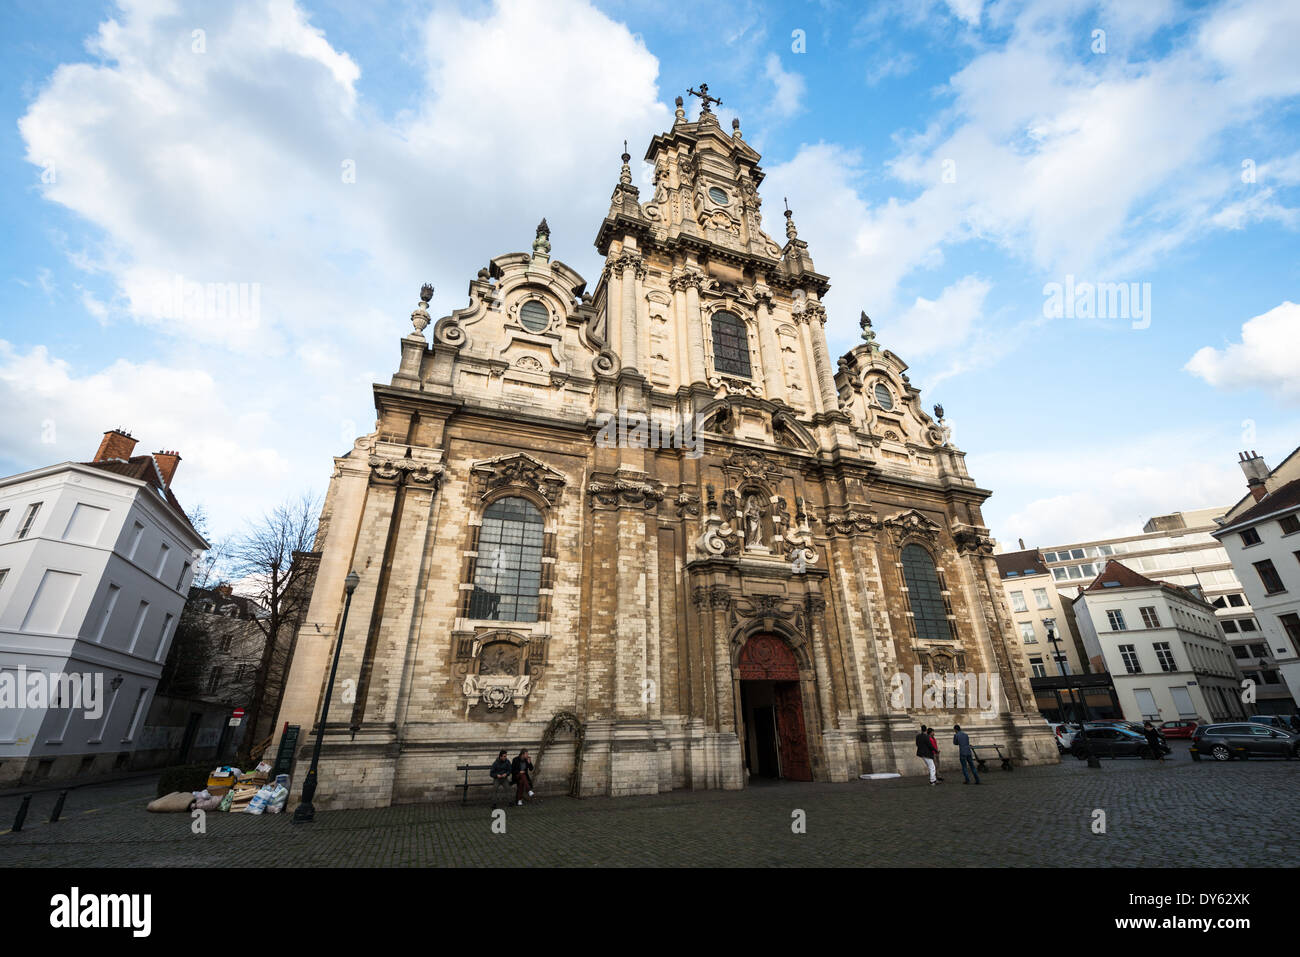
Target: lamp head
x=351 y=582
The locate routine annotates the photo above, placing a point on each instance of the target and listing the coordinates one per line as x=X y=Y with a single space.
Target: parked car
x=1182 y=728
x=1128 y=726
x=1244 y=739
x=1110 y=741
x=1279 y=721
x=1064 y=734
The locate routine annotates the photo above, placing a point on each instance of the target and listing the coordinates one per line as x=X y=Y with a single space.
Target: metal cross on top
x=705 y=99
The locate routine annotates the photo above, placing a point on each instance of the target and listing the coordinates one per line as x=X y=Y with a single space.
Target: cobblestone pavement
x=1180 y=813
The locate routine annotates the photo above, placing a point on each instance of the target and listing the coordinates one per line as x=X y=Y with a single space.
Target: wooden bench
x=981 y=762
x=464 y=788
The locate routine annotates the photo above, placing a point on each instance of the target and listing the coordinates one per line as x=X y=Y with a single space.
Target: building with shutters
x=1162 y=645
x=652 y=528
x=1261 y=534
x=95 y=563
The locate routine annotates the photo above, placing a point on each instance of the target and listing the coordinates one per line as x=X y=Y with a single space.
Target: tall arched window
x=508 y=572
x=925 y=595
x=730 y=345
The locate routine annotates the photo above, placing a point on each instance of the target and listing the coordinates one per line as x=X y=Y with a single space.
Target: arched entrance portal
x=771 y=706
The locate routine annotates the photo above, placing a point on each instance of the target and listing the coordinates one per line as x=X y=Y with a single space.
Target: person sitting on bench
x=500 y=772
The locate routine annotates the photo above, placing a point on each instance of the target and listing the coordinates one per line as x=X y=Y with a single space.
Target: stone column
x=695 y=324
x=632 y=271
x=821 y=357
x=769 y=348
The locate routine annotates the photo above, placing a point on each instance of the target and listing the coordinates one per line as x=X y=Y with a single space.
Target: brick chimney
x=1022 y=543
x=167 y=462
x=1256 y=473
x=117 y=444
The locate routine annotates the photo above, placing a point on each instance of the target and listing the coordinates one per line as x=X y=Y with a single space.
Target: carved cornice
x=972 y=539
x=912 y=524
x=631 y=490
x=851 y=522
x=387 y=468
x=519 y=471
x=631 y=260
x=751 y=465
x=711 y=596
x=688 y=279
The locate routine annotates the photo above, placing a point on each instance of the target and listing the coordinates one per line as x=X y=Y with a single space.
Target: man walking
x=1153 y=740
x=925 y=751
x=500 y=772
x=964 y=754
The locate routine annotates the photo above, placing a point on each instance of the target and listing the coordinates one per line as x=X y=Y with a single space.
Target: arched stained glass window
x=730 y=345
x=924 y=594
x=508 y=572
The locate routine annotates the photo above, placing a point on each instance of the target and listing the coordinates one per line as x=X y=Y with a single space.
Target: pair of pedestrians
x=517 y=772
x=927 y=749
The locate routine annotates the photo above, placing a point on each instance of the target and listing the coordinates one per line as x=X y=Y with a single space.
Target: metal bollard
x=58 y=806
x=22 y=813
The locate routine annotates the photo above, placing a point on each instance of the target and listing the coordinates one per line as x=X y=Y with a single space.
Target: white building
x=1162 y=645
x=1181 y=549
x=95 y=563
x=1261 y=534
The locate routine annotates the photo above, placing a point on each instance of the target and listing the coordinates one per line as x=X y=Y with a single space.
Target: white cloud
x=228 y=166
x=1093 y=166
x=54 y=415
x=1263 y=359
x=1051 y=501
x=942 y=324
x=787 y=99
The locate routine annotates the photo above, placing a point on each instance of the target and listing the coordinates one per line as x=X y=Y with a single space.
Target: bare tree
x=274 y=563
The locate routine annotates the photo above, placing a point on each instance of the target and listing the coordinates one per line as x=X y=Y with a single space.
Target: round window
x=883 y=398
x=719 y=196
x=534 y=316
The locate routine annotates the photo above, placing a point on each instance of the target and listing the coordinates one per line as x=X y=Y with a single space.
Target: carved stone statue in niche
x=753 y=513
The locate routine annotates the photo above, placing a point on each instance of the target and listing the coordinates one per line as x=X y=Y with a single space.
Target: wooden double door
x=775 y=734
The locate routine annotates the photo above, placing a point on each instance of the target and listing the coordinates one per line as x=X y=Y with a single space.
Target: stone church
x=651 y=529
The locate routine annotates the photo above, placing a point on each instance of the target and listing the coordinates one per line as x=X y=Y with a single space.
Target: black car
x=1110 y=741
x=1244 y=739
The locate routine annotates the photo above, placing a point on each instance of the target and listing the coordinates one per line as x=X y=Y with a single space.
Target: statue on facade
x=753 y=523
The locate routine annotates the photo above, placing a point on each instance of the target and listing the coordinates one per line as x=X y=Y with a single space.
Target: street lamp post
x=306 y=811
x=1081 y=708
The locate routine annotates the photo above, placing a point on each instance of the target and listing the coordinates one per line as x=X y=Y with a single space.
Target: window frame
x=732 y=325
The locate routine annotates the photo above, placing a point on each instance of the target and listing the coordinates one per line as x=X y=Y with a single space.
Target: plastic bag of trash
x=260 y=800
x=176 y=801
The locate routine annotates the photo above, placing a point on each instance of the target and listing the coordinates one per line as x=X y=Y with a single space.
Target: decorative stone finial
x=625 y=176
x=420 y=317
x=938 y=412
x=790 y=231
x=542 y=244
x=868 y=334
x=735 y=126
x=680 y=115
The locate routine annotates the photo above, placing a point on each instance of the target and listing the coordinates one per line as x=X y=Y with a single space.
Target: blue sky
x=945 y=162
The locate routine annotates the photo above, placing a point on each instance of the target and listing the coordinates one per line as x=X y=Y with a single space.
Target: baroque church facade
x=652 y=529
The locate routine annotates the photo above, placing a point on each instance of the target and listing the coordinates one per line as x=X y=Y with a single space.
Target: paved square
x=1239 y=814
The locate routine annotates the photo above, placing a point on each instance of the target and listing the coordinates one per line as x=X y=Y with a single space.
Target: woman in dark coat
x=521 y=773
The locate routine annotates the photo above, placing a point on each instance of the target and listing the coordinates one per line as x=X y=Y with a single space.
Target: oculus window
x=534 y=316
x=883 y=398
